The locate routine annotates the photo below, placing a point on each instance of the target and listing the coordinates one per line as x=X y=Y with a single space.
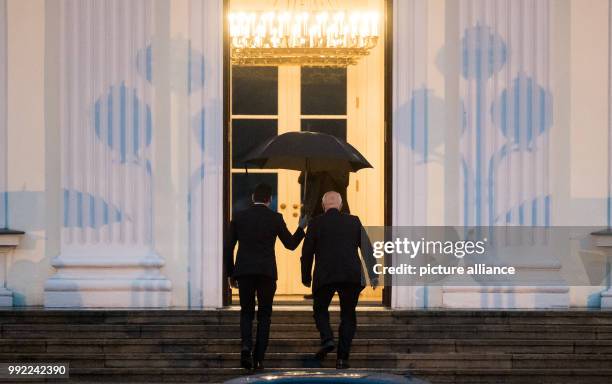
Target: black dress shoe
x=326 y=348
x=246 y=359
x=342 y=364
x=259 y=365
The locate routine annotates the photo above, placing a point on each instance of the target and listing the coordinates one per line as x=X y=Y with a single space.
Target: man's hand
x=304 y=219
x=233 y=282
x=306 y=283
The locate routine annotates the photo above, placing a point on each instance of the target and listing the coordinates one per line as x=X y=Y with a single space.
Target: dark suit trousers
x=349 y=296
x=264 y=288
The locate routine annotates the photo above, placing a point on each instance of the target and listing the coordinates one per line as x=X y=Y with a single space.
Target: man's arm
x=367 y=251
x=230 y=243
x=308 y=256
x=290 y=241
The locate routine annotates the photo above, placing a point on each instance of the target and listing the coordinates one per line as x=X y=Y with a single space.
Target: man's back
x=334 y=238
x=255 y=230
x=254 y=273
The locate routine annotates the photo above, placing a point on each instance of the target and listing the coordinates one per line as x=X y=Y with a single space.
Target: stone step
x=303 y=331
x=304 y=360
x=436 y=376
x=202 y=346
x=144 y=345
x=217 y=345
x=565 y=317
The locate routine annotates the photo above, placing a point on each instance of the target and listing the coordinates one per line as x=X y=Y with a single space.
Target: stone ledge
x=6 y=231
x=603 y=238
x=10 y=237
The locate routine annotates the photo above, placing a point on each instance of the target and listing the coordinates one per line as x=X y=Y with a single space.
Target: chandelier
x=321 y=38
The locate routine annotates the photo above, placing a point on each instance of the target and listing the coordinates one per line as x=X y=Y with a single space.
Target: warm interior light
x=277 y=32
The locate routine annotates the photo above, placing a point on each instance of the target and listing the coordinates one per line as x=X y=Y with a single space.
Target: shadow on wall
x=26 y=211
x=36 y=273
x=425 y=114
x=27 y=271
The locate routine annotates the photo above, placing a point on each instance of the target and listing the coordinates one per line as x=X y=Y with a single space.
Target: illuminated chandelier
x=320 y=38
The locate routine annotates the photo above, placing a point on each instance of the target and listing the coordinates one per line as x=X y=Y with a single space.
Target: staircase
x=152 y=346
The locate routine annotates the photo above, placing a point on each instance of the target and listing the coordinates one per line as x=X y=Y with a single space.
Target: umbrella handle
x=305 y=186
x=305 y=182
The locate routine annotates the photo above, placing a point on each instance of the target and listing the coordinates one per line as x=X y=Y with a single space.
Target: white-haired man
x=332 y=242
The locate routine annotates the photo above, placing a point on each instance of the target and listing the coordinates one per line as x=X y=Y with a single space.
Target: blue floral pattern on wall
x=90 y=211
x=501 y=126
x=483 y=52
x=523 y=112
x=127 y=138
x=108 y=119
x=182 y=58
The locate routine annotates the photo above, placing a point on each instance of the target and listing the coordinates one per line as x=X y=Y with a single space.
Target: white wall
x=3 y=109
x=563 y=46
x=589 y=160
x=589 y=112
x=579 y=153
x=29 y=265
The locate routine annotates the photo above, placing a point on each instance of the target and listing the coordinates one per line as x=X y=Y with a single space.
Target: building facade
x=116 y=131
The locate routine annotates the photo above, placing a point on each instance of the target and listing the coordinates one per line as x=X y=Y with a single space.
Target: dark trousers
x=264 y=288
x=349 y=296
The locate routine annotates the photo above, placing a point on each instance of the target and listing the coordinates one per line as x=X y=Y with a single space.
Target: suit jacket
x=333 y=239
x=255 y=230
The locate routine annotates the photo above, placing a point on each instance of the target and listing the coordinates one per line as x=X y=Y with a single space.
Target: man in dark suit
x=333 y=239
x=254 y=274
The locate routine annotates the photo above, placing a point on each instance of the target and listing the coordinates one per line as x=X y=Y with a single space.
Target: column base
x=6 y=298
x=505 y=297
x=606 y=299
x=127 y=280
x=63 y=293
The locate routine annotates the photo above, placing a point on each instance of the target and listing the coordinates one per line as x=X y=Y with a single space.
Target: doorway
x=347 y=102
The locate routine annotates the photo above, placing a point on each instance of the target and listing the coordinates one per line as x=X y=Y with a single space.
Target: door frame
x=387 y=132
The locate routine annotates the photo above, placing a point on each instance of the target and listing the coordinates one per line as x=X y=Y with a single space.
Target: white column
x=505 y=174
x=206 y=153
x=494 y=157
x=606 y=296
x=3 y=113
x=411 y=66
x=107 y=95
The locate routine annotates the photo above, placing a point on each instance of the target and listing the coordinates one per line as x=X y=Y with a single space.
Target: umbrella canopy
x=307 y=151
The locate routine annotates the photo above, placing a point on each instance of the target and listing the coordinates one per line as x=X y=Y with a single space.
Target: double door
x=267 y=101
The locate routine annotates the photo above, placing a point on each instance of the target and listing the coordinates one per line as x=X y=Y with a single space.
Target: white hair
x=332 y=199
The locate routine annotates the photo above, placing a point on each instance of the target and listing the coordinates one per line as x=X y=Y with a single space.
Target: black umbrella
x=309 y=152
